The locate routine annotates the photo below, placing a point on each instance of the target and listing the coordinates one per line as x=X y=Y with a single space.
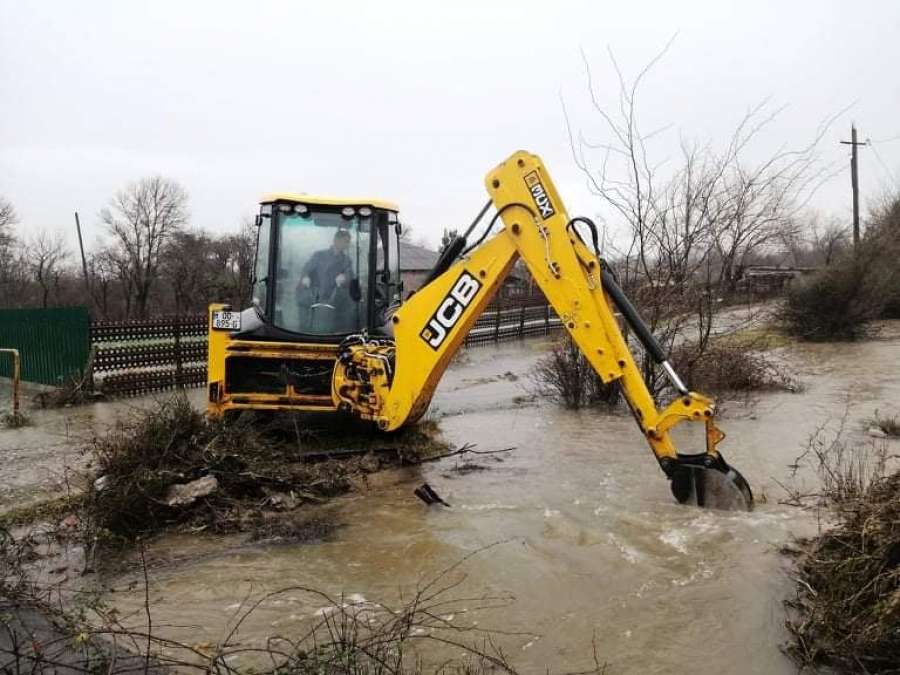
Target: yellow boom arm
x=392 y=384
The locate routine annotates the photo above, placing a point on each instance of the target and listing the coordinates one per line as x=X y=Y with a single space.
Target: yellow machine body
x=391 y=382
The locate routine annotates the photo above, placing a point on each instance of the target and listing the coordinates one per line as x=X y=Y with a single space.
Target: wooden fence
x=141 y=356
x=513 y=318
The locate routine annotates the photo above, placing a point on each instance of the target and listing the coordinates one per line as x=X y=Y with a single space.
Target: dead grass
x=847 y=608
x=846 y=613
x=756 y=339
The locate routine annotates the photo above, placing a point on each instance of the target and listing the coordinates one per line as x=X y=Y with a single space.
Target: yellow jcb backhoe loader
x=327 y=331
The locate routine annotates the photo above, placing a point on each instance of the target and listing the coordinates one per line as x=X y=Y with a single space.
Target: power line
x=885 y=140
x=882 y=163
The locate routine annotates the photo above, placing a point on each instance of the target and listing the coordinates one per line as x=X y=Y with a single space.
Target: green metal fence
x=54 y=343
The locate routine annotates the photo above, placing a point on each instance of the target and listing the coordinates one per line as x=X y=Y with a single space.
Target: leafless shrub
x=565 y=375
x=841 y=301
x=889 y=425
x=15 y=420
x=883 y=240
x=73 y=390
x=730 y=367
x=835 y=304
x=846 y=470
x=14 y=554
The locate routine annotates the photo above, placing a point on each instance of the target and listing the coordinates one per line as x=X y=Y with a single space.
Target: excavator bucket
x=712 y=485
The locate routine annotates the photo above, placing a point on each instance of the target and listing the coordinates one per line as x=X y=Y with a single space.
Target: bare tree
x=189 y=266
x=8 y=219
x=829 y=240
x=141 y=218
x=45 y=256
x=102 y=272
x=233 y=265
x=689 y=231
x=406 y=234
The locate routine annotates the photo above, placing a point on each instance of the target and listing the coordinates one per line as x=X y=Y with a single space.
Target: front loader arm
x=428 y=330
x=431 y=326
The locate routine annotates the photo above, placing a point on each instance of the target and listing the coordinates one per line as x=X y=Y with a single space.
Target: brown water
x=41 y=459
x=594 y=546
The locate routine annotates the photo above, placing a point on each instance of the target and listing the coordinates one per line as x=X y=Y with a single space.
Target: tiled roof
x=416 y=258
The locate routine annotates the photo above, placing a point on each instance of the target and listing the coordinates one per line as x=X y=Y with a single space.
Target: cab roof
x=325 y=200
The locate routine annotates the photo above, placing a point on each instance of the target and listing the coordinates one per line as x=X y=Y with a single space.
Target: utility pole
x=854 y=181
x=87 y=283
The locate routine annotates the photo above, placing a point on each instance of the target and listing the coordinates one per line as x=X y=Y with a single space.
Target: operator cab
x=325 y=268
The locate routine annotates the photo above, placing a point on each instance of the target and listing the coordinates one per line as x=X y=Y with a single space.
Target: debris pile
x=173 y=466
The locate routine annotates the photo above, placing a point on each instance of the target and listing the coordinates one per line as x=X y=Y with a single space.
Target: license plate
x=226 y=320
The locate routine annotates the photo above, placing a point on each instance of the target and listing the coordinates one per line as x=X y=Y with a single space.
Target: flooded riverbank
x=588 y=539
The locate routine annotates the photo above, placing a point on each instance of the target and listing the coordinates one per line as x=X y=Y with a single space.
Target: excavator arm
x=392 y=381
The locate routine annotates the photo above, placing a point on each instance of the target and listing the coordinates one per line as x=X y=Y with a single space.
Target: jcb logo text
x=450 y=310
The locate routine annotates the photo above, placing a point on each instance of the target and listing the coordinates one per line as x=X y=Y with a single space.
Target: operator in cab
x=328 y=268
x=323 y=291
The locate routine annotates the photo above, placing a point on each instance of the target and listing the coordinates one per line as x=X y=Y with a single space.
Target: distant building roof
x=776 y=270
x=415 y=258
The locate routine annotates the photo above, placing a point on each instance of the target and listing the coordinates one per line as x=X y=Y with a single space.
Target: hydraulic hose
x=640 y=328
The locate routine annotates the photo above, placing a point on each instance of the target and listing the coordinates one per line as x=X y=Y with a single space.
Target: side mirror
x=398 y=228
x=355 y=290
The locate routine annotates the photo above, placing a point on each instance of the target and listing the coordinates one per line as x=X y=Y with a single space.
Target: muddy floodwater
x=593 y=546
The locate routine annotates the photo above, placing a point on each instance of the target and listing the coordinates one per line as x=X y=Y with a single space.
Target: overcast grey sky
x=410 y=101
